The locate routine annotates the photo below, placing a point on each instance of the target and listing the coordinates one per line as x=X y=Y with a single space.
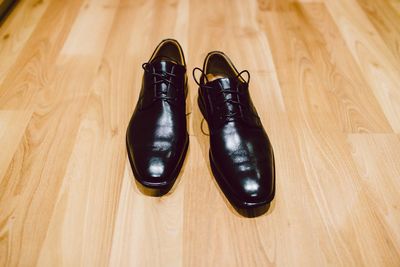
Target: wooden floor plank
x=16 y=30
x=12 y=127
x=395 y=4
x=34 y=66
x=48 y=139
x=378 y=162
x=385 y=19
x=318 y=130
x=150 y=226
x=334 y=88
x=97 y=153
x=343 y=203
x=324 y=79
x=380 y=68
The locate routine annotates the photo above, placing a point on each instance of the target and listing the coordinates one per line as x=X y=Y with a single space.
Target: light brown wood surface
x=325 y=81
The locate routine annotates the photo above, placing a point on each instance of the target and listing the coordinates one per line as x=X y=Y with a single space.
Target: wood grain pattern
x=379 y=168
x=325 y=80
x=384 y=18
x=395 y=4
x=381 y=69
x=16 y=30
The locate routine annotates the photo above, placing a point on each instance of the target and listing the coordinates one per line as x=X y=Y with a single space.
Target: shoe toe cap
x=155 y=171
x=256 y=190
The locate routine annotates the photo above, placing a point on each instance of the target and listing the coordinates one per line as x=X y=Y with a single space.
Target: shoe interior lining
x=170 y=49
x=212 y=77
x=218 y=65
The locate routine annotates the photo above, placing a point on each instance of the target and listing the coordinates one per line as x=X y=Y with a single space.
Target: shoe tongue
x=163 y=63
x=224 y=83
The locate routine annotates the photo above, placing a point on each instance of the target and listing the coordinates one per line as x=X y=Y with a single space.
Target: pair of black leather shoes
x=241 y=155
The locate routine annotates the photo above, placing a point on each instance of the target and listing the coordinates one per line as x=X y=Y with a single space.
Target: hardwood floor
x=325 y=81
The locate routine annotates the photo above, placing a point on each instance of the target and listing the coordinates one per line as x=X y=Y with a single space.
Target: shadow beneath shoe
x=252 y=212
x=151 y=192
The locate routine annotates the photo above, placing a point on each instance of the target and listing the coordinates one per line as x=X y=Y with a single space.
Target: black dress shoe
x=241 y=155
x=156 y=137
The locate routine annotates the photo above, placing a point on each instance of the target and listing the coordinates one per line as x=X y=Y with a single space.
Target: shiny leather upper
x=239 y=146
x=157 y=136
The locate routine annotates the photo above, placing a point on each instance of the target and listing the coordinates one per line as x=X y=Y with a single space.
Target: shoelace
x=163 y=77
x=228 y=116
